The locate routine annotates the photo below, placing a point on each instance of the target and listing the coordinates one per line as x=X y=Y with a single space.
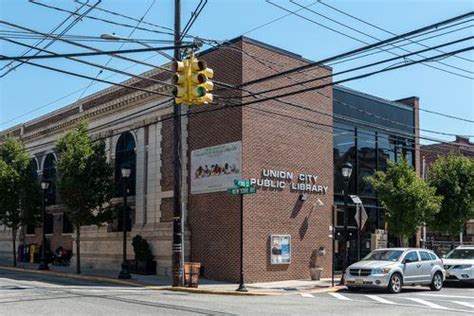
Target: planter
x=315 y=273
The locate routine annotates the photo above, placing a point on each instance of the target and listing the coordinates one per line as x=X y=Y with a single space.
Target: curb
x=332 y=289
x=75 y=276
x=215 y=292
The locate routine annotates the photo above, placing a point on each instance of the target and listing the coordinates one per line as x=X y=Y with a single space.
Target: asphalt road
x=33 y=294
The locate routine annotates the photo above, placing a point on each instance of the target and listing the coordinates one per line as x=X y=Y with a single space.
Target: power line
x=66 y=96
x=64 y=31
x=376 y=26
x=83 y=45
x=193 y=18
x=358 y=50
x=121 y=45
x=91 y=78
x=66 y=55
x=365 y=66
x=365 y=42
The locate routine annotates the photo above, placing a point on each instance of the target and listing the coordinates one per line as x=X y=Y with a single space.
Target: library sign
x=285 y=180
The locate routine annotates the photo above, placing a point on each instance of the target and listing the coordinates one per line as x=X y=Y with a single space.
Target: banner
x=214 y=169
x=280 y=249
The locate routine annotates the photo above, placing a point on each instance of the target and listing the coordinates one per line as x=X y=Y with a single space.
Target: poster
x=280 y=249
x=214 y=169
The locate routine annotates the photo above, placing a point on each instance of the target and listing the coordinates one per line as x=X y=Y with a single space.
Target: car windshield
x=461 y=254
x=385 y=255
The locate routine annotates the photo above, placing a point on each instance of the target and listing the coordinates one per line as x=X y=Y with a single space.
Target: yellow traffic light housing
x=200 y=83
x=180 y=91
x=191 y=80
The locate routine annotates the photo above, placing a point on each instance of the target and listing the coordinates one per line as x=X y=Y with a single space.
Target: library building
x=290 y=149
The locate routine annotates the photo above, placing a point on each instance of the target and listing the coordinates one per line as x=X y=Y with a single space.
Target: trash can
x=191 y=274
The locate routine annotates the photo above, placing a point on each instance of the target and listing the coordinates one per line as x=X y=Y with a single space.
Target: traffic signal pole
x=178 y=229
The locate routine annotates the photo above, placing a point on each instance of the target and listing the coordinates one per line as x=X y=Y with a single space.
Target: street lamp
x=125 y=171
x=43 y=264
x=113 y=37
x=346 y=174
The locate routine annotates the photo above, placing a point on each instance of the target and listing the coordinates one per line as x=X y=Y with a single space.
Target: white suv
x=459 y=264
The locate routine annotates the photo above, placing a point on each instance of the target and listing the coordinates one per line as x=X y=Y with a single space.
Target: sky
x=29 y=92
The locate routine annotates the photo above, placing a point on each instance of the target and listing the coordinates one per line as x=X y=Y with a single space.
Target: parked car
x=459 y=264
x=393 y=268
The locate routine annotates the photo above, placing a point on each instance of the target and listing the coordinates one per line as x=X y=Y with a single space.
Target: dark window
x=67 y=225
x=34 y=169
x=30 y=229
x=49 y=174
x=344 y=151
x=425 y=256
x=433 y=256
x=411 y=256
x=367 y=160
x=48 y=223
x=386 y=150
x=125 y=156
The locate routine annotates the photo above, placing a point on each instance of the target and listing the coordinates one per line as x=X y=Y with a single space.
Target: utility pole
x=178 y=253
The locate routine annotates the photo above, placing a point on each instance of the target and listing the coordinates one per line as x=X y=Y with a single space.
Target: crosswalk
x=462 y=303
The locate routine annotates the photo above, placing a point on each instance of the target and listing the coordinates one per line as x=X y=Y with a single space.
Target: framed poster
x=280 y=249
x=214 y=169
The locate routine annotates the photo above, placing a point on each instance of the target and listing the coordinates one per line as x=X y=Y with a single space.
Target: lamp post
x=125 y=172
x=346 y=174
x=43 y=264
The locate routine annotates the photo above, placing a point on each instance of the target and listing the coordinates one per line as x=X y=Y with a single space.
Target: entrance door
x=412 y=270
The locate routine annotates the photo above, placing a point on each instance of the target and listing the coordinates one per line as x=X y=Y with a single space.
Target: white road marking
x=307 y=295
x=340 y=297
x=380 y=299
x=464 y=304
x=447 y=296
x=420 y=301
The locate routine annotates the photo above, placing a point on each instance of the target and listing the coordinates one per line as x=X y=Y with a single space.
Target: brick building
x=288 y=149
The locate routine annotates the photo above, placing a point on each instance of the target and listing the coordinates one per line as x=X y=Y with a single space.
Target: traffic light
x=180 y=79
x=200 y=83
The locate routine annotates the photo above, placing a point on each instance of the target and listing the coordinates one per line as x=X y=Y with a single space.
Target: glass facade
x=367 y=138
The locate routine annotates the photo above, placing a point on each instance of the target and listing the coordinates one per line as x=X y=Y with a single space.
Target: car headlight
x=463 y=266
x=381 y=271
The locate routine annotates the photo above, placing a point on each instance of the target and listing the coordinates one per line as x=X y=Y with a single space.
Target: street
x=23 y=293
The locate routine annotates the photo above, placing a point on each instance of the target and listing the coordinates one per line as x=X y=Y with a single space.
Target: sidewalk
x=164 y=283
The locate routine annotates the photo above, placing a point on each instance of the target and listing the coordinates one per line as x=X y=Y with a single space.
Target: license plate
x=359 y=281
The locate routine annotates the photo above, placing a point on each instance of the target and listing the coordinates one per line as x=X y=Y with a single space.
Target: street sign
x=239 y=191
x=242 y=183
x=361 y=215
x=356 y=199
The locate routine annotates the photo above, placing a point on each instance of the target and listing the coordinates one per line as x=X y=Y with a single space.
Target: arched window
x=125 y=155
x=49 y=174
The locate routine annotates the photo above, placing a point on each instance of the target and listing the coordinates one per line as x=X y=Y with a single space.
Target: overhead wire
x=64 y=31
x=362 y=41
x=376 y=26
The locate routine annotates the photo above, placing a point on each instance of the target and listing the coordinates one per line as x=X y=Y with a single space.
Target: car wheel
x=437 y=282
x=353 y=288
x=395 y=284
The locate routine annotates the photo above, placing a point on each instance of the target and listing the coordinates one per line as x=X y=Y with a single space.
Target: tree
x=409 y=201
x=85 y=181
x=453 y=178
x=20 y=198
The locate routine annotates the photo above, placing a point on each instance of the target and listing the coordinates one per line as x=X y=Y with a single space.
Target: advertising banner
x=214 y=169
x=280 y=249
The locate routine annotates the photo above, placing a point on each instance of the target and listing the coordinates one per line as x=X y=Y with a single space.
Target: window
x=30 y=229
x=433 y=256
x=48 y=223
x=67 y=225
x=49 y=174
x=425 y=256
x=411 y=257
x=367 y=160
x=344 y=151
x=125 y=155
x=34 y=169
x=386 y=150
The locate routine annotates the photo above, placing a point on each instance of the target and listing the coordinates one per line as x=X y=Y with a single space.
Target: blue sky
x=28 y=88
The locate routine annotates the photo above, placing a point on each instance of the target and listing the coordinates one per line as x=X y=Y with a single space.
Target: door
x=412 y=268
x=426 y=266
